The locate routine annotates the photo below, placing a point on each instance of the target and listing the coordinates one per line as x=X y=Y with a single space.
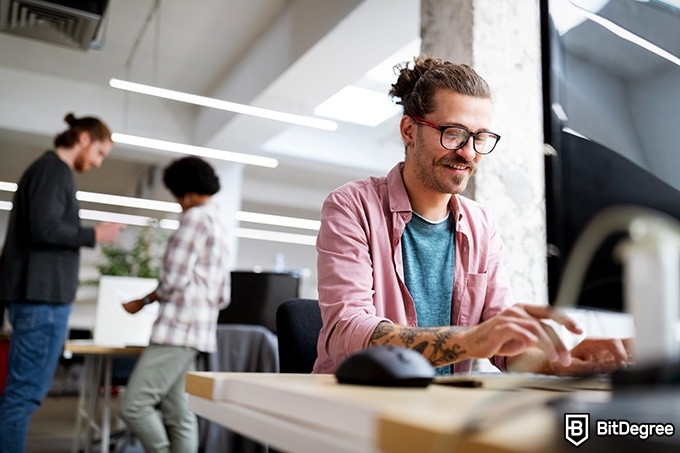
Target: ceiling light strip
x=246 y=233
x=126 y=219
x=269 y=219
x=168 y=206
x=169 y=224
x=114 y=200
x=128 y=202
x=259 y=112
x=275 y=236
x=8 y=186
x=192 y=150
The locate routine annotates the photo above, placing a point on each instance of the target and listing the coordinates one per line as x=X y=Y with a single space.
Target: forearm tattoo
x=435 y=343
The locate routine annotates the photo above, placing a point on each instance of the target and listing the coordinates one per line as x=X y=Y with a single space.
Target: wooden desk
x=311 y=413
x=98 y=368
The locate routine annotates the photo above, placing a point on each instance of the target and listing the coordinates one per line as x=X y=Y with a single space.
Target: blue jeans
x=38 y=333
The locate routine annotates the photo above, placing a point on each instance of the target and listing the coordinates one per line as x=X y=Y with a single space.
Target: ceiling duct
x=72 y=23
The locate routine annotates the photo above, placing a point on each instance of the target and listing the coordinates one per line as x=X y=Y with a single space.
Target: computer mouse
x=388 y=366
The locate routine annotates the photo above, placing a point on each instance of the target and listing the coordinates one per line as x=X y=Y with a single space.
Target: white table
x=98 y=369
x=312 y=413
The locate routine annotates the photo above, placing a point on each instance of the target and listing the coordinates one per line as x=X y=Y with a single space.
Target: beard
x=79 y=164
x=435 y=175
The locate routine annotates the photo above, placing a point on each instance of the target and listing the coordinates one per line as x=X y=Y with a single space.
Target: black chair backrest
x=298 y=322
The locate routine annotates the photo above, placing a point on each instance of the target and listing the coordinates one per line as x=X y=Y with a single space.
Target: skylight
x=384 y=71
x=358 y=105
x=368 y=107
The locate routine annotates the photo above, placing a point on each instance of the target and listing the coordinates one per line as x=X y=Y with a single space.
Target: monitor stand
x=640 y=396
x=647 y=377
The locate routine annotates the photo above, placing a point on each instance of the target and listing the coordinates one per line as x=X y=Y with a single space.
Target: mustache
x=458 y=161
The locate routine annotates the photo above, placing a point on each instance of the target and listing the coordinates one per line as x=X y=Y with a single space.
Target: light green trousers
x=154 y=405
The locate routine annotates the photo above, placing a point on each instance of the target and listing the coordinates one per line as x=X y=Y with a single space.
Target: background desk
x=240 y=347
x=247 y=348
x=97 y=370
x=312 y=413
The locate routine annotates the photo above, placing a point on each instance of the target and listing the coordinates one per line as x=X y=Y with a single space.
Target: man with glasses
x=406 y=260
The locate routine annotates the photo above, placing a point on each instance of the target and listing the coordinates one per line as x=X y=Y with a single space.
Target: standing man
x=406 y=260
x=194 y=285
x=39 y=268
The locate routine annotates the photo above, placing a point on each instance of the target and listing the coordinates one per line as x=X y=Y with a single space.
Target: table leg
x=106 y=411
x=87 y=404
x=83 y=394
x=92 y=404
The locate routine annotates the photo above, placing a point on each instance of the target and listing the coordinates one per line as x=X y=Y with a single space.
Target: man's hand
x=520 y=328
x=591 y=356
x=596 y=356
x=106 y=232
x=133 y=306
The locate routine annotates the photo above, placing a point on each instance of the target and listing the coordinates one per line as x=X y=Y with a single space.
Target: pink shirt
x=361 y=273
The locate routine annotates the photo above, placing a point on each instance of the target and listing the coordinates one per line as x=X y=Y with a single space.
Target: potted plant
x=141 y=260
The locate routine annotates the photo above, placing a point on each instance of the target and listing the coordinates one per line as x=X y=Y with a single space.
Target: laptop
x=113 y=325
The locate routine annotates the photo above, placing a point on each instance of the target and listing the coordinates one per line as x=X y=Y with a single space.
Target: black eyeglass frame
x=441 y=130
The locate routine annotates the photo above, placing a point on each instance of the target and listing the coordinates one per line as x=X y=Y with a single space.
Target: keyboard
x=510 y=381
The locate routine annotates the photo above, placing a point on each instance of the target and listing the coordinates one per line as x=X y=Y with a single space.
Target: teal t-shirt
x=428 y=250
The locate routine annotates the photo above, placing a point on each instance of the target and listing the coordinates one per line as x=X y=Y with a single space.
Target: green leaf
x=142 y=260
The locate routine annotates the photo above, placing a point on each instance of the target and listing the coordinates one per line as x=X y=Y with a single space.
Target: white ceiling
x=285 y=54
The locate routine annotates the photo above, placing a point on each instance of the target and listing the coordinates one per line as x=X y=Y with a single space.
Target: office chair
x=298 y=322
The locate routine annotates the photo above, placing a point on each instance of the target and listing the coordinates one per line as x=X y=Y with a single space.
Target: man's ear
x=407 y=128
x=84 y=139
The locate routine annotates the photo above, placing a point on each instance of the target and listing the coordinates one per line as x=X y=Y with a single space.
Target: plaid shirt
x=195 y=280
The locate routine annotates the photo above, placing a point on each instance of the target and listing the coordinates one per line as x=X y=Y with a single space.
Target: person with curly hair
x=39 y=268
x=407 y=260
x=193 y=286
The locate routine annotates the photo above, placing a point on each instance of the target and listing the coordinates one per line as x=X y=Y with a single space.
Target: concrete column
x=446 y=32
x=501 y=40
x=229 y=198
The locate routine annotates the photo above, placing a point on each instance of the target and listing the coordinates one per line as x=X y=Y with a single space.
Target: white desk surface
x=89 y=347
x=307 y=413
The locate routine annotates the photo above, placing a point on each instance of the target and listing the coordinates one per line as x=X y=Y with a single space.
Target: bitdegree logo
x=576 y=428
x=640 y=430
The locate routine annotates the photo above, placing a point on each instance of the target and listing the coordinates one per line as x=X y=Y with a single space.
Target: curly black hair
x=191 y=175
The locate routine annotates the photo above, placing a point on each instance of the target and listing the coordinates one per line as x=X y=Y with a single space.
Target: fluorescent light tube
x=8 y=186
x=103 y=216
x=291 y=118
x=167 y=206
x=128 y=202
x=201 y=151
x=275 y=236
x=246 y=233
x=268 y=219
x=137 y=220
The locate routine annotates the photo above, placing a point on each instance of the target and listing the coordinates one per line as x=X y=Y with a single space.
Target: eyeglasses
x=455 y=137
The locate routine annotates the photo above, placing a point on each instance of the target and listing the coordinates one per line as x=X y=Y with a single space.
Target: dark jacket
x=41 y=255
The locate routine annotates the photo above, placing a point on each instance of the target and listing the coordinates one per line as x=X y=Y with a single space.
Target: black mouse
x=388 y=366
